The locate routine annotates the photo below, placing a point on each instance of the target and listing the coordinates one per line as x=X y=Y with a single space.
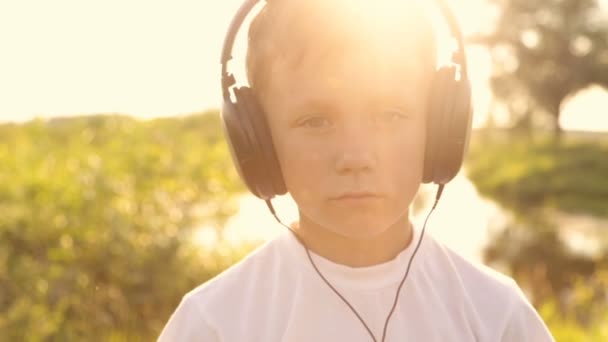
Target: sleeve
x=525 y=324
x=188 y=324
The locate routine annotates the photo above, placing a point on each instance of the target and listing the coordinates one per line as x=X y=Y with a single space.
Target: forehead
x=357 y=78
x=338 y=34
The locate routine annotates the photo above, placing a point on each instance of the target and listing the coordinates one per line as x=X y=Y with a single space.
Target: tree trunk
x=557 y=128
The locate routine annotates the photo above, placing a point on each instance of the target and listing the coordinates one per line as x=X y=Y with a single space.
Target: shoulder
x=493 y=298
x=241 y=278
x=469 y=274
x=188 y=323
x=524 y=323
x=225 y=298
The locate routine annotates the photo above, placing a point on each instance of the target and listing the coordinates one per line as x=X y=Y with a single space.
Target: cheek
x=407 y=149
x=404 y=167
x=303 y=168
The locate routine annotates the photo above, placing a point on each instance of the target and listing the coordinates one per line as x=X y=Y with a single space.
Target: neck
x=356 y=252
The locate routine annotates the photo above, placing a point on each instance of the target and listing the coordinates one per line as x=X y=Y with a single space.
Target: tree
x=545 y=51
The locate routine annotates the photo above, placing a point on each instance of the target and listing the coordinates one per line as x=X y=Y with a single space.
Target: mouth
x=354 y=196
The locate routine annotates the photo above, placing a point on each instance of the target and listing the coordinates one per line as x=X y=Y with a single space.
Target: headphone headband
x=228 y=80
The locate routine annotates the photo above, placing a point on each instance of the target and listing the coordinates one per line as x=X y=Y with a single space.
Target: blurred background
x=118 y=195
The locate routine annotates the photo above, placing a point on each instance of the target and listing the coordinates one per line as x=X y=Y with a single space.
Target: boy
x=345 y=88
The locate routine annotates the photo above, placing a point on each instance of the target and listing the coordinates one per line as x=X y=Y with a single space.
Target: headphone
x=252 y=149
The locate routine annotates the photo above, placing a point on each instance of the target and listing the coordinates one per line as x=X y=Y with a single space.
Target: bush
x=98 y=215
x=525 y=175
x=534 y=178
x=586 y=315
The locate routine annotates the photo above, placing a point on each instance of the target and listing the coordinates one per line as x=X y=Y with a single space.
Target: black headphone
x=248 y=134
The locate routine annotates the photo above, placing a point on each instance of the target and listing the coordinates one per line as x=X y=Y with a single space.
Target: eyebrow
x=406 y=96
x=315 y=104
x=323 y=107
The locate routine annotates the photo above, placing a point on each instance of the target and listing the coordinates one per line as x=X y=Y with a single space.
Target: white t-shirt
x=274 y=294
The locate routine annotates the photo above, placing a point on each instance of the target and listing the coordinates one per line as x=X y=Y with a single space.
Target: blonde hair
x=287 y=32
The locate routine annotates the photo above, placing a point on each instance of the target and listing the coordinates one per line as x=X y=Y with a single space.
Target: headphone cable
x=437 y=197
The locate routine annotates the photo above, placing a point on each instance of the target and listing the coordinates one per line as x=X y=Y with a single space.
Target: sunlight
x=586 y=110
x=399 y=17
x=383 y=13
x=139 y=67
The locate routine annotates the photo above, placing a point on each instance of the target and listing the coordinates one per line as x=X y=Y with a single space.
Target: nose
x=356 y=150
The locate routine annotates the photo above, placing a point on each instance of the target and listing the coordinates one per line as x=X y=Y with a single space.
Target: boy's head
x=287 y=33
x=344 y=85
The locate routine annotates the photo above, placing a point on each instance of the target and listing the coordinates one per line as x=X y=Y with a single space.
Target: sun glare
x=134 y=65
x=585 y=110
x=472 y=16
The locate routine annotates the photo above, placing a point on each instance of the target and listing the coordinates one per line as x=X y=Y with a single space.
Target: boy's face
x=349 y=127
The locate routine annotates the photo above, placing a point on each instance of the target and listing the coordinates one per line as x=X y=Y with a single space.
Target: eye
x=315 y=122
x=391 y=115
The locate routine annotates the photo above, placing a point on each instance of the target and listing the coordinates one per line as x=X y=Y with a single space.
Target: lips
x=356 y=195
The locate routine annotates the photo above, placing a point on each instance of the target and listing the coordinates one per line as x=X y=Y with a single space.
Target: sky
x=158 y=58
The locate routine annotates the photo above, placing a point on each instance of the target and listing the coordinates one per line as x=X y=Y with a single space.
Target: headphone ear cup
x=251 y=145
x=239 y=143
x=271 y=175
x=448 y=126
x=458 y=131
x=437 y=103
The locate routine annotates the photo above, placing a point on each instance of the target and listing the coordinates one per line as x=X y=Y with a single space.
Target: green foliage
x=525 y=175
x=586 y=319
x=97 y=218
x=535 y=179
